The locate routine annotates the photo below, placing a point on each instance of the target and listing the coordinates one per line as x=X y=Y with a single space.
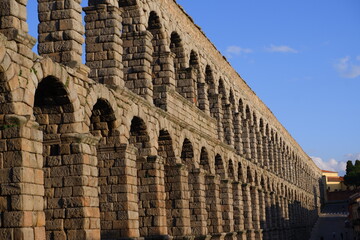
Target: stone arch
x=171 y=174
x=155 y=26
x=248 y=114
x=187 y=136
x=246 y=130
x=102 y=120
x=219 y=166
x=110 y=166
x=256 y=178
x=139 y=136
x=267 y=147
x=187 y=154
x=161 y=60
x=241 y=175
x=281 y=156
x=257 y=140
x=187 y=157
x=195 y=75
x=254 y=138
x=148 y=169
x=165 y=149
x=210 y=89
x=249 y=175
x=272 y=151
x=204 y=160
x=236 y=122
x=225 y=114
x=231 y=172
x=137 y=112
x=264 y=143
x=54 y=113
x=176 y=47
x=52 y=99
x=263 y=182
x=241 y=108
x=45 y=69
x=96 y=92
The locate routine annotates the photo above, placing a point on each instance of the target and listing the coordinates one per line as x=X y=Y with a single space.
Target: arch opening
x=109 y=155
x=52 y=107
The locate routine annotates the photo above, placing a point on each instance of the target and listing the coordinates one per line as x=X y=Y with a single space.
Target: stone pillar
x=227 y=123
x=13 y=16
x=248 y=219
x=297 y=216
x=216 y=112
x=253 y=143
x=61 y=31
x=237 y=133
x=186 y=84
x=274 y=218
x=238 y=211
x=127 y=223
x=287 y=218
x=22 y=180
x=177 y=201
x=276 y=157
x=113 y=172
x=77 y=215
x=262 y=209
x=282 y=171
x=137 y=60
x=202 y=97
x=104 y=44
x=151 y=197
x=155 y=198
x=291 y=218
x=271 y=155
x=255 y=212
x=286 y=165
x=269 y=225
x=266 y=159
x=226 y=195
x=281 y=217
x=198 y=204
x=260 y=152
x=246 y=139
x=163 y=78
x=213 y=204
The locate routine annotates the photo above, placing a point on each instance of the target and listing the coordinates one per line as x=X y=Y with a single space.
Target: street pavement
x=331 y=224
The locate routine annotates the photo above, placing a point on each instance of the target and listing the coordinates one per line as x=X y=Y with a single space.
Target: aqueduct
x=155 y=137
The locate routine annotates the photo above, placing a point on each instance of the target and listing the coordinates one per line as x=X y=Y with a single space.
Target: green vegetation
x=352 y=176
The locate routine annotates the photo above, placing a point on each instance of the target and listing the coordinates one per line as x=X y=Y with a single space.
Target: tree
x=349 y=166
x=352 y=177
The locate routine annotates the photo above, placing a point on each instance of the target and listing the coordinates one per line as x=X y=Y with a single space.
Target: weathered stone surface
x=156 y=137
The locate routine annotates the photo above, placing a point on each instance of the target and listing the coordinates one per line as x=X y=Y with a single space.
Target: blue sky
x=302 y=58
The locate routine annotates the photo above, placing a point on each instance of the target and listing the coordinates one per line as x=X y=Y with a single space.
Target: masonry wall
x=155 y=137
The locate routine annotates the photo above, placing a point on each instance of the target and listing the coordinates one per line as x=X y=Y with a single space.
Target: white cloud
x=281 y=48
x=352 y=156
x=236 y=50
x=347 y=68
x=331 y=165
